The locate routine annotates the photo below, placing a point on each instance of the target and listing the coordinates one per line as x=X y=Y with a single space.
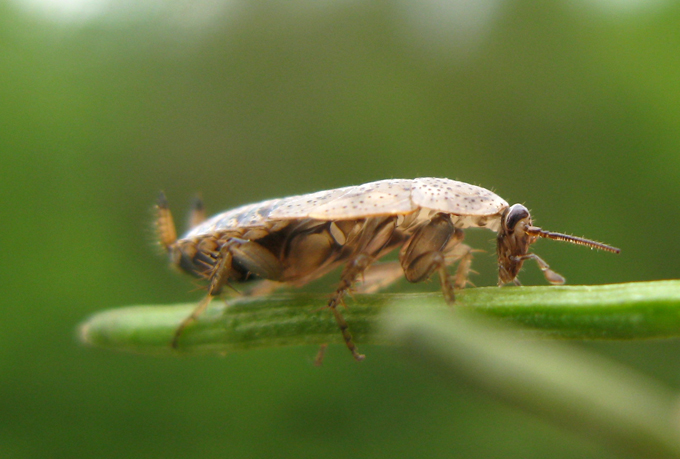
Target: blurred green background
x=570 y=107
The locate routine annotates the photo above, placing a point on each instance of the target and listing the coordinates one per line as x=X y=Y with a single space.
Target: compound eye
x=513 y=216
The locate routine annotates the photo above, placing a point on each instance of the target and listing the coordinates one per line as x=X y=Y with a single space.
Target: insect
x=298 y=239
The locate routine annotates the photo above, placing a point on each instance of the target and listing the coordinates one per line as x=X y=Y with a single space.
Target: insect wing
x=386 y=197
x=452 y=197
x=300 y=206
x=248 y=216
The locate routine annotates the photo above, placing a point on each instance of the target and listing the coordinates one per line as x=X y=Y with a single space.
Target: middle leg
x=376 y=237
x=353 y=270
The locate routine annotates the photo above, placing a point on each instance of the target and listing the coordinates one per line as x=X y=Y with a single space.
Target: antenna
x=535 y=231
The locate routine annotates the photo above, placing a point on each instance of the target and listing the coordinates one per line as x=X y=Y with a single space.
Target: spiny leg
x=372 y=240
x=350 y=274
x=195 y=314
x=249 y=255
x=218 y=276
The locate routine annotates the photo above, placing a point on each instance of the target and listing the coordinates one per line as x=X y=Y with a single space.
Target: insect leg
x=372 y=239
x=255 y=259
x=550 y=275
x=251 y=259
x=463 y=254
x=425 y=253
x=218 y=276
x=350 y=274
x=189 y=319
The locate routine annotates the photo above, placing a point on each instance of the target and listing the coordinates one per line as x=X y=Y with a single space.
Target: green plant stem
x=568 y=387
x=617 y=311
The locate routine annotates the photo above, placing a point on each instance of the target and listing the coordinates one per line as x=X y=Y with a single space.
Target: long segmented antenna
x=167 y=235
x=535 y=231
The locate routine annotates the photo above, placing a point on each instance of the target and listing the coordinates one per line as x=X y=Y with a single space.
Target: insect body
x=298 y=239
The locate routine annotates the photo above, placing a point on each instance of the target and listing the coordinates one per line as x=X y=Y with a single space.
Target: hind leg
x=247 y=254
x=218 y=276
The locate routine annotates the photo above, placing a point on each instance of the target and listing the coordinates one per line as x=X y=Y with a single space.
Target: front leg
x=550 y=275
x=429 y=248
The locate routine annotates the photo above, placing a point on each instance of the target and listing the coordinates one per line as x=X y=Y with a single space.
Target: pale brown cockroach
x=298 y=239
